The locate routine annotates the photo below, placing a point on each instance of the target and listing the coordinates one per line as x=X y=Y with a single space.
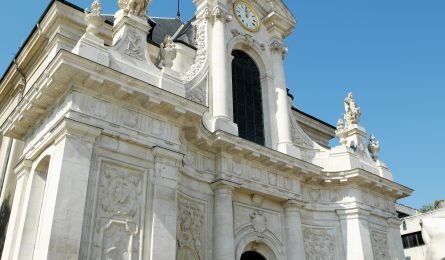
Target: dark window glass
x=247 y=100
x=412 y=240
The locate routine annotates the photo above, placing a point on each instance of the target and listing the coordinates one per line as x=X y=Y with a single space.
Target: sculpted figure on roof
x=135 y=7
x=352 y=111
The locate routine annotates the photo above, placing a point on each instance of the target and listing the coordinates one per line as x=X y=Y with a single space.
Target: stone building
x=135 y=137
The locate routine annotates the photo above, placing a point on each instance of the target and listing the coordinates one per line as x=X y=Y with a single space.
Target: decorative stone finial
x=134 y=7
x=93 y=19
x=341 y=132
x=374 y=147
x=352 y=111
x=168 y=52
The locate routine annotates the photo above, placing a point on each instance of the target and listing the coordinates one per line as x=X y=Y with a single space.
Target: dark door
x=251 y=255
x=247 y=100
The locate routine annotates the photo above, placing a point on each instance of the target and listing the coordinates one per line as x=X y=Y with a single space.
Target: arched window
x=247 y=101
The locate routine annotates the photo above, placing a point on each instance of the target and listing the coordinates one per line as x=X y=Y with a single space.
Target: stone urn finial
x=341 y=132
x=168 y=52
x=93 y=19
x=374 y=147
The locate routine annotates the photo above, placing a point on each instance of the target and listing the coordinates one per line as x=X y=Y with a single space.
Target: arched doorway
x=252 y=255
x=247 y=97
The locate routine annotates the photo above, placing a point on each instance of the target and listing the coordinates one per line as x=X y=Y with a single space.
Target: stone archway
x=252 y=255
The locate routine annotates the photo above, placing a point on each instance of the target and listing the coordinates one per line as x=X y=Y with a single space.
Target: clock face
x=246 y=16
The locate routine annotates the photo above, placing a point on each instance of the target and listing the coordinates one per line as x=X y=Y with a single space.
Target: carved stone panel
x=380 y=245
x=191 y=229
x=258 y=220
x=319 y=243
x=119 y=213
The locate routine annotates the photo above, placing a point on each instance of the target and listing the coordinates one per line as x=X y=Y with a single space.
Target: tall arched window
x=247 y=101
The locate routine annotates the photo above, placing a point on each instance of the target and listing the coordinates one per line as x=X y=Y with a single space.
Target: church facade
x=136 y=137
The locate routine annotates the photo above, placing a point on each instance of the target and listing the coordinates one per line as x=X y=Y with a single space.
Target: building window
x=412 y=240
x=247 y=100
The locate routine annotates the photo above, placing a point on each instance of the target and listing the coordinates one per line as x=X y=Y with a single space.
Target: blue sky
x=391 y=54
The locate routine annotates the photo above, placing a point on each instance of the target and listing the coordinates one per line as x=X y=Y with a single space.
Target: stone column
x=356 y=234
x=284 y=127
x=16 y=219
x=66 y=191
x=223 y=233
x=163 y=233
x=395 y=241
x=222 y=118
x=294 y=232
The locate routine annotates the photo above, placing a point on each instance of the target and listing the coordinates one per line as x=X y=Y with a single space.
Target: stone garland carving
x=380 y=245
x=119 y=213
x=318 y=244
x=190 y=230
x=201 y=41
x=134 y=48
x=134 y=7
x=168 y=52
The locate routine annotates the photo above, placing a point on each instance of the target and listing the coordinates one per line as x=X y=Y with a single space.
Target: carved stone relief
x=127 y=118
x=299 y=137
x=201 y=52
x=119 y=213
x=258 y=220
x=319 y=244
x=198 y=161
x=191 y=228
x=134 y=47
x=380 y=245
x=260 y=175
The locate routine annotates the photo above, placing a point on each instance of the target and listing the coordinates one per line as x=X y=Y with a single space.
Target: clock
x=246 y=16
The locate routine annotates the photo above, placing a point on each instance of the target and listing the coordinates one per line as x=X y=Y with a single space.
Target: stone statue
x=135 y=7
x=433 y=234
x=168 y=52
x=374 y=147
x=93 y=19
x=352 y=111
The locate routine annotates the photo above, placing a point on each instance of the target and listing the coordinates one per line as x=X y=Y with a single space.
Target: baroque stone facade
x=115 y=147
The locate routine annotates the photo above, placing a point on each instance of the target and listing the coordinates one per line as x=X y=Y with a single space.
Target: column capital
x=394 y=222
x=222 y=184
x=277 y=47
x=71 y=128
x=353 y=213
x=220 y=13
x=164 y=155
x=294 y=204
x=24 y=166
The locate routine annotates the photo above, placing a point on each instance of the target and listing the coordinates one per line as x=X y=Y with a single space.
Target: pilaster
x=221 y=109
x=223 y=229
x=66 y=190
x=294 y=232
x=163 y=234
x=395 y=243
x=356 y=234
x=19 y=205
x=283 y=116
